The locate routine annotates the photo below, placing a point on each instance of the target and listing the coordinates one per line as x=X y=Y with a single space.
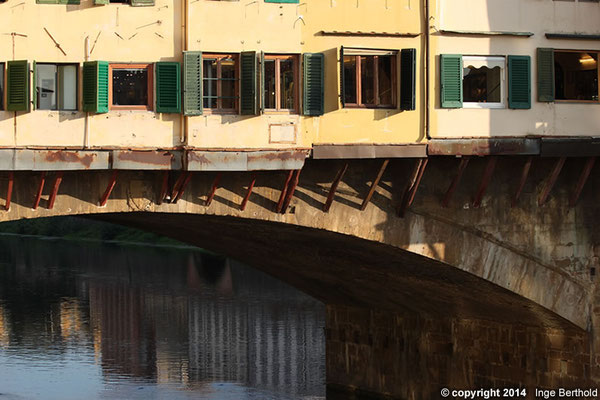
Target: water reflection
x=103 y=321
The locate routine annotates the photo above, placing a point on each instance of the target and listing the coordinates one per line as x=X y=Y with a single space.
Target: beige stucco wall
x=538 y=17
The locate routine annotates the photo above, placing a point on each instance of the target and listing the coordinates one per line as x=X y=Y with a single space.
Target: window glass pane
x=270 y=84
x=67 y=95
x=482 y=85
x=130 y=87
x=367 y=75
x=209 y=69
x=350 y=79
x=286 y=70
x=1 y=86
x=228 y=83
x=46 y=86
x=576 y=75
x=384 y=79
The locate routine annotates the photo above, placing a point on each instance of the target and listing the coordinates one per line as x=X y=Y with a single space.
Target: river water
x=84 y=320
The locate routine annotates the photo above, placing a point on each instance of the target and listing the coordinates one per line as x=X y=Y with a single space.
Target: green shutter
x=35 y=88
x=192 y=83
x=342 y=86
x=57 y=1
x=142 y=3
x=95 y=86
x=408 y=73
x=97 y=2
x=545 y=74
x=168 y=87
x=314 y=82
x=17 y=86
x=281 y=1
x=451 y=80
x=248 y=103
x=262 y=82
x=68 y=1
x=519 y=82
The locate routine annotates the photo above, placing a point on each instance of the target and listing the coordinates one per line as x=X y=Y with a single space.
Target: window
x=131 y=87
x=483 y=82
x=370 y=80
x=56 y=86
x=220 y=79
x=280 y=83
x=1 y=86
x=576 y=75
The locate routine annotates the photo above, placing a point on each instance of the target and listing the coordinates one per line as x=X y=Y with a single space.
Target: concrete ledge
x=483 y=147
x=344 y=151
x=570 y=147
x=53 y=160
x=146 y=160
x=245 y=160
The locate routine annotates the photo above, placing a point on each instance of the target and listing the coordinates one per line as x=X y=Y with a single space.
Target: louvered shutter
x=314 y=70
x=262 y=82
x=451 y=80
x=342 y=86
x=17 y=86
x=192 y=83
x=101 y=2
x=35 y=87
x=95 y=86
x=168 y=87
x=142 y=3
x=545 y=74
x=248 y=98
x=408 y=73
x=519 y=82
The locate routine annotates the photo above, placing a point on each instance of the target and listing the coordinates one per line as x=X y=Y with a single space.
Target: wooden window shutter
x=451 y=80
x=142 y=3
x=519 y=82
x=95 y=86
x=408 y=73
x=342 y=87
x=248 y=98
x=545 y=74
x=17 y=86
x=192 y=83
x=35 y=88
x=168 y=87
x=101 y=2
x=262 y=82
x=314 y=82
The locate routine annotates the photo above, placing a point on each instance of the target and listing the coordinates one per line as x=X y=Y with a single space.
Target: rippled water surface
x=99 y=321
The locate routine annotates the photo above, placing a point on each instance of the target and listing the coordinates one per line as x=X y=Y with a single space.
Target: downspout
x=86 y=125
x=184 y=47
x=427 y=80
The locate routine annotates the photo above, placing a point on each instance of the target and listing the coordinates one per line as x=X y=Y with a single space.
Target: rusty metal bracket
x=585 y=173
x=464 y=161
x=290 y=192
x=213 y=189
x=38 y=195
x=334 y=186
x=485 y=180
x=9 y=189
x=177 y=186
x=551 y=180
x=410 y=191
x=55 y=42
x=283 y=192
x=57 y=181
x=248 y=193
x=374 y=184
x=109 y=188
x=164 y=187
x=181 y=191
x=524 y=175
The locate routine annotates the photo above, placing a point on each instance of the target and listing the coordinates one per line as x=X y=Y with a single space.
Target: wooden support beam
x=38 y=194
x=464 y=161
x=585 y=173
x=283 y=192
x=213 y=189
x=177 y=186
x=290 y=191
x=248 y=193
x=164 y=187
x=181 y=190
x=551 y=180
x=485 y=180
x=109 y=188
x=57 y=180
x=410 y=191
x=374 y=185
x=334 y=186
x=9 y=189
x=524 y=175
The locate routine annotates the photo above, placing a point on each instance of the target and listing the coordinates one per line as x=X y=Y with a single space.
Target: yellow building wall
x=122 y=33
x=538 y=17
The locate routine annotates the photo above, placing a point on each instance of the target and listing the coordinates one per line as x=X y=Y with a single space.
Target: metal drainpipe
x=427 y=81
x=86 y=129
x=184 y=47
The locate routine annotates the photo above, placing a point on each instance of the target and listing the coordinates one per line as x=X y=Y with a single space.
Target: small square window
x=483 y=82
x=281 y=83
x=576 y=75
x=56 y=86
x=370 y=81
x=131 y=86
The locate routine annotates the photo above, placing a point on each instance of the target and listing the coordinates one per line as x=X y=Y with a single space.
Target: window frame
x=77 y=83
x=359 y=103
x=218 y=109
x=503 y=83
x=3 y=91
x=597 y=52
x=150 y=71
x=296 y=73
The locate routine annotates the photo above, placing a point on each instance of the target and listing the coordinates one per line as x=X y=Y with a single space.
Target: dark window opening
x=131 y=87
x=280 y=77
x=576 y=75
x=1 y=86
x=370 y=81
x=482 y=85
